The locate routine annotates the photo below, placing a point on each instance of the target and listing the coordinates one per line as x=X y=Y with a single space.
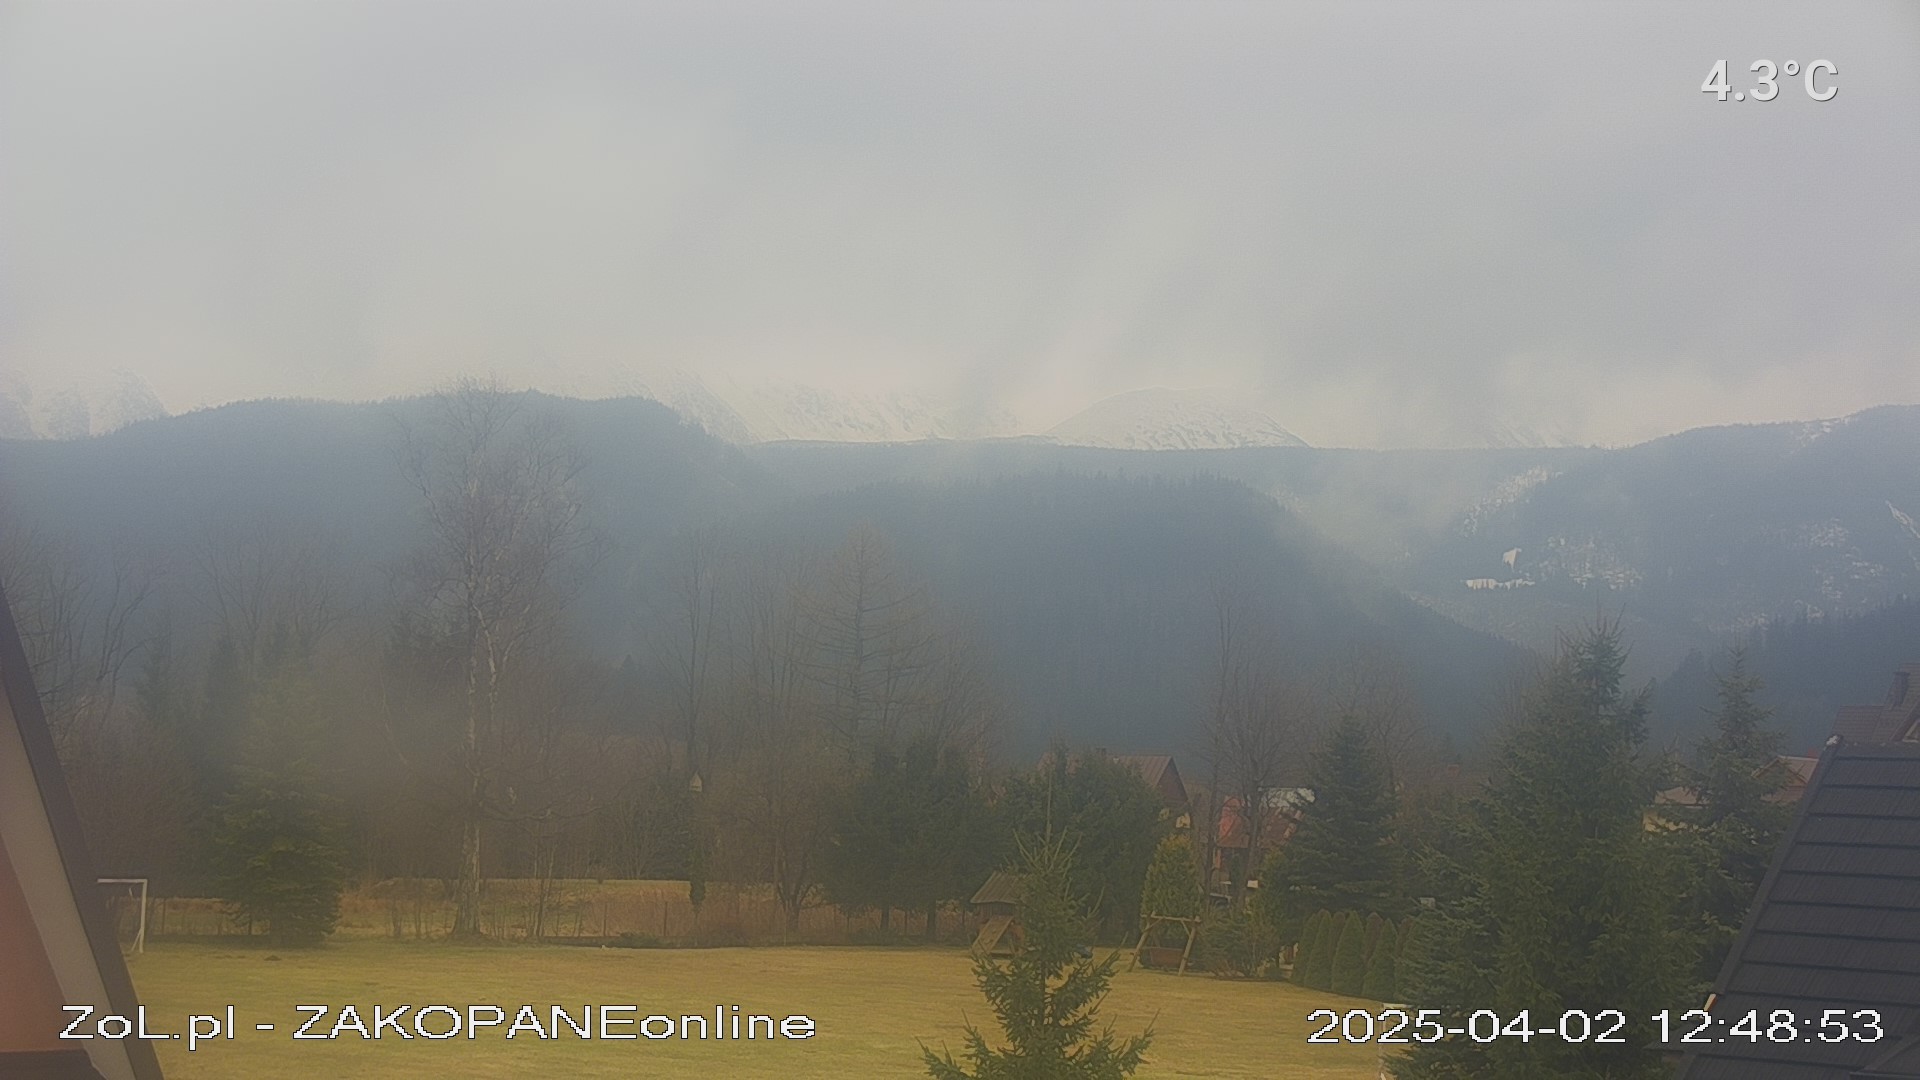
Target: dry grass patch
x=871 y=1005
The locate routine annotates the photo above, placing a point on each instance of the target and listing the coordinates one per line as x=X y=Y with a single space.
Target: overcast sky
x=1386 y=225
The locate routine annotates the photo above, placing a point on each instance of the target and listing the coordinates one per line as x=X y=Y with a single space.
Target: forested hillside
x=1097 y=596
x=1088 y=572
x=1809 y=668
x=1094 y=595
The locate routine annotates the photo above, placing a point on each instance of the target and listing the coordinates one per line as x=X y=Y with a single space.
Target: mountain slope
x=1752 y=518
x=1088 y=561
x=1095 y=596
x=1163 y=419
x=744 y=413
x=155 y=492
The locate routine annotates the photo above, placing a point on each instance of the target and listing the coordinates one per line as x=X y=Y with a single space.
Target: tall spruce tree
x=278 y=856
x=1562 y=898
x=1341 y=856
x=1733 y=822
x=911 y=833
x=1116 y=820
x=1047 y=996
x=861 y=864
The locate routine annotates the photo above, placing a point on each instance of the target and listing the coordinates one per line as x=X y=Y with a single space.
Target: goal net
x=126 y=900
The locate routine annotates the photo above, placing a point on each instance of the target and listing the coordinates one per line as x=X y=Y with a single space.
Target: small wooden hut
x=997 y=903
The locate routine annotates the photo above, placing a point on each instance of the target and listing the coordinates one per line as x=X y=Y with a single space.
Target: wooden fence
x=642 y=913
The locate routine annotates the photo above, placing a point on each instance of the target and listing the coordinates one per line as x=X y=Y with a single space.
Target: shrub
x=1320 y=971
x=1309 y=940
x=1381 y=972
x=1349 y=957
x=1237 y=943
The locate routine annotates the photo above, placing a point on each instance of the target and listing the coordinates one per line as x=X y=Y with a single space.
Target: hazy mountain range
x=1088 y=569
x=77 y=408
x=1153 y=419
x=750 y=412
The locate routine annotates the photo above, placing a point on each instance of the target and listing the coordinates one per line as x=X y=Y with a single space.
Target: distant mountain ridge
x=1690 y=540
x=1154 y=419
x=1091 y=592
x=1163 y=419
x=75 y=409
x=744 y=413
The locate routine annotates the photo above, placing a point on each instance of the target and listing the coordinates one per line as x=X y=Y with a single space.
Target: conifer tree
x=1341 y=855
x=1562 y=896
x=1172 y=888
x=278 y=858
x=1048 y=994
x=1309 y=940
x=1349 y=957
x=1734 y=822
x=1116 y=820
x=1381 y=982
x=910 y=833
x=1320 y=973
x=1376 y=926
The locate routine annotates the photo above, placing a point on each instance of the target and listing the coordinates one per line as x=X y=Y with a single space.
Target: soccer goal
x=127 y=907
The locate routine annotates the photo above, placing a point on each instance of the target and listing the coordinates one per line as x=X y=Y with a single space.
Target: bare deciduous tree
x=777 y=788
x=688 y=639
x=1255 y=727
x=1372 y=685
x=76 y=628
x=498 y=489
x=272 y=588
x=815 y=665
x=871 y=644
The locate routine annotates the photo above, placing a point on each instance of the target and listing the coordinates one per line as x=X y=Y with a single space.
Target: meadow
x=872 y=1007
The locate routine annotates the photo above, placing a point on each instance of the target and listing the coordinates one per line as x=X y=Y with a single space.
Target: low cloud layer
x=1387 y=225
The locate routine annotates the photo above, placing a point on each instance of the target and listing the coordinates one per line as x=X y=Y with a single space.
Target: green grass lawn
x=870 y=1005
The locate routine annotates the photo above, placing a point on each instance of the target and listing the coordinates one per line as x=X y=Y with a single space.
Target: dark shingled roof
x=1898 y=720
x=1152 y=766
x=1836 y=926
x=1000 y=888
x=1859 y=723
x=1903 y=1061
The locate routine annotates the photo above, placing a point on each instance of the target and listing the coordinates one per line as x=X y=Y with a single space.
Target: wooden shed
x=997 y=903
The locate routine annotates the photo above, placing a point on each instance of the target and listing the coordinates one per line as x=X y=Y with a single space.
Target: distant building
x=56 y=945
x=1834 y=931
x=1897 y=720
x=997 y=904
x=1163 y=776
x=1793 y=774
x=1234 y=832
